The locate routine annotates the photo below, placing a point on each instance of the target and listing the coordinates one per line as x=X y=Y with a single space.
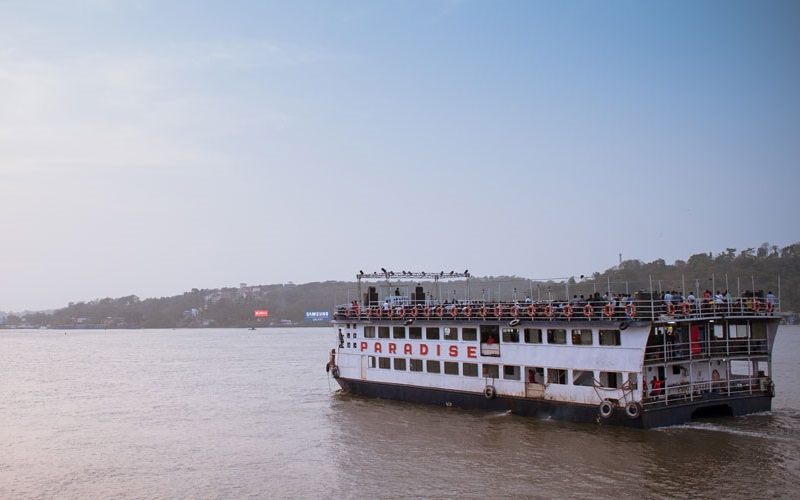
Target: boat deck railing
x=708 y=390
x=705 y=349
x=646 y=310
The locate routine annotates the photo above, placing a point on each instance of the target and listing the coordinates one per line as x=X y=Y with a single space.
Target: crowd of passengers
x=670 y=302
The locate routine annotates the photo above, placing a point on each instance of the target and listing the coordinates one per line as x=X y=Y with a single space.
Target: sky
x=151 y=147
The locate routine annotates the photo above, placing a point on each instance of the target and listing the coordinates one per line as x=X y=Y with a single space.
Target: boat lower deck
x=559 y=410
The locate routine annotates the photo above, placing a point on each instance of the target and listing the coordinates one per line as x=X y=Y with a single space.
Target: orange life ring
x=532 y=311
x=567 y=311
x=402 y=312
x=454 y=311
x=498 y=310
x=414 y=312
x=548 y=311
x=515 y=311
x=439 y=311
x=687 y=308
x=483 y=311
x=608 y=310
x=588 y=310
x=630 y=310
x=468 y=311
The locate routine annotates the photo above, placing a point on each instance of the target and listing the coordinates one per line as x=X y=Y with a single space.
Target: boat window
x=533 y=335
x=612 y=380
x=581 y=336
x=348 y=344
x=432 y=333
x=433 y=366
x=415 y=365
x=510 y=372
x=535 y=375
x=556 y=375
x=384 y=363
x=415 y=332
x=371 y=361
x=399 y=332
x=469 y=369
x=383 y=332
x=739 y=331
x=556 y=336
x=469 y=334
x=491 y=371
x=719 y=331
x=451 y=333
x=400 y=364
x=450 y=368
x=583 y=377
x=510 y=335
x=609 y=337
x=490 y=332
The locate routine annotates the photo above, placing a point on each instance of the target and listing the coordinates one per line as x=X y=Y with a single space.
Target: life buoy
x=414 y=312
x=515 y=311
x=378 y=312
x=567 y=311
x=687 y=308
x=454 y=312
x=630 y=310
x=483 y=311
x=633 y=409
x=606 y=408
x=756 y=305
x=532 y=311
x=514 y=322
x=401 y=312
x=548 y=311
x=489 y=392
x=335 y=371
x=439 y=311
x=468 y=311
x=498 y=310
x=588 y=310
x=608 y=310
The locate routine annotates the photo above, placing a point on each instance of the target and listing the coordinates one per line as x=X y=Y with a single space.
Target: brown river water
x=252 y=414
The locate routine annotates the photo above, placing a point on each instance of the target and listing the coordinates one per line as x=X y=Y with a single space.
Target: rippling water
x=239 y=413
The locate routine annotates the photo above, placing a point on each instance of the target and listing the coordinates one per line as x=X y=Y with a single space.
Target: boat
x=644 y=359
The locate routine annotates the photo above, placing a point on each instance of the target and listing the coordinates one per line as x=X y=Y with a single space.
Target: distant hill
x=748 y=269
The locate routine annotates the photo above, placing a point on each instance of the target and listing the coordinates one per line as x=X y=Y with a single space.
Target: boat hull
x=667 y=415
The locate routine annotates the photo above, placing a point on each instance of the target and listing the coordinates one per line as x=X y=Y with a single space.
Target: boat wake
x=705 y=426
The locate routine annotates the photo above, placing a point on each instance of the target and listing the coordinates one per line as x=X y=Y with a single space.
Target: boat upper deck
x=650 y=309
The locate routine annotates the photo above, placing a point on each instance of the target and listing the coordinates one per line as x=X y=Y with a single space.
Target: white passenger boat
x=640 y=360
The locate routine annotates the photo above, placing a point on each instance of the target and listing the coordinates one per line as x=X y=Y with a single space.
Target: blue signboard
x=318 y=315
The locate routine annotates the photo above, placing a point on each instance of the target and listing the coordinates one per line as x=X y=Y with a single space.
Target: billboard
x=318 y=315
x=262 y=313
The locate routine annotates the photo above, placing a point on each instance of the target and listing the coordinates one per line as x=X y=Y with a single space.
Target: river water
x=239 y=413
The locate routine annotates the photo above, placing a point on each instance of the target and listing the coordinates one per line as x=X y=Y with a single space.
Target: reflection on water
x=233 y=413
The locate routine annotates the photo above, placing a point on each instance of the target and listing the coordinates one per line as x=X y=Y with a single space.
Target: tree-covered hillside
x=735 y=270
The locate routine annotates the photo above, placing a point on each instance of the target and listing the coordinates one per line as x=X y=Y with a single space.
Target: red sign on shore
x=262 y=313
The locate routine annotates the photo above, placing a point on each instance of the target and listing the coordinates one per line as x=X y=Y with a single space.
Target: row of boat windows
x=532 y=374
x=559 y=336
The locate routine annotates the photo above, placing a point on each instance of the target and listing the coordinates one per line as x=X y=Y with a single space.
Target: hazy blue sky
x=149 y=147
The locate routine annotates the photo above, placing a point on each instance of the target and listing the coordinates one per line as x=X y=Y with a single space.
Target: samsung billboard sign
x=318 y=316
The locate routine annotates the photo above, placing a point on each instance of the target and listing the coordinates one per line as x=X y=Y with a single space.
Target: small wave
x=501 y=414
x=703 y=426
